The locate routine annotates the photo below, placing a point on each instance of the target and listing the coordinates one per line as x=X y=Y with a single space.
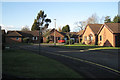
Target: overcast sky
x=15 y=15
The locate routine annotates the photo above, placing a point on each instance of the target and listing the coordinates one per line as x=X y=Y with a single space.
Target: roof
x=95 y=27
x=74 y=34
x=113 y=27
x=29 y=33
x=14 y=33
x=23 y=33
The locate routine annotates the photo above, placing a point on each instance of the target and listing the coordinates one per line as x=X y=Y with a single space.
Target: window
x=58 y=38
x=100 y=38
x=33 y=38
x=90 y=37
x=36 y=38
x=85 y=37
x=17 y=38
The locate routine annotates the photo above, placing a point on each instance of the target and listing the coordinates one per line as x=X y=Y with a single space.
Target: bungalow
x=90 y=34
x=109 y=35
x=20 y=36
x=59 y=36
x=50 y=36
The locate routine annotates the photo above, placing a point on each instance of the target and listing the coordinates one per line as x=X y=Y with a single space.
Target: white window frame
x=17 y=38
x=33 y=38
x=36 y=38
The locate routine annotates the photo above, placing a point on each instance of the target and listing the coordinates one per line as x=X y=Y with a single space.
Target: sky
x=15 y=15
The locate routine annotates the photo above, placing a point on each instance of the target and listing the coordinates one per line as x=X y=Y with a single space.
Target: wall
x=13 y=40
x=57 y=34
x=107 y=38
x=87 y=32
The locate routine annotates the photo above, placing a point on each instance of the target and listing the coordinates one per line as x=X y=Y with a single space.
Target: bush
x=67 y=41
x=72 y=41
x=47 y=41
x=25 y=40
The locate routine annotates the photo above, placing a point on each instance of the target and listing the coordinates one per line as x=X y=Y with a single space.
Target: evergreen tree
x=66 y=28
x=116 y=19
x=41 y=18
x=35 y=25
x=107 y=19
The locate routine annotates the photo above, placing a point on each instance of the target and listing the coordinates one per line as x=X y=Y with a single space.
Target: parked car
x=61 y=41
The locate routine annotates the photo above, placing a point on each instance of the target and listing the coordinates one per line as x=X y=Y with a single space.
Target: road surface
x=88 y=63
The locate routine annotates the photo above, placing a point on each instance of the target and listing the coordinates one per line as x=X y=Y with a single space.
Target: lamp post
x=54 y=33
x=39 y=35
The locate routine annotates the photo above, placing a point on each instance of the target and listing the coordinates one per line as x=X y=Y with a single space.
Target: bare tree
x=60 y=29
x=94 y=19
x=25 y=28
x=69 y=35
x=80 y=25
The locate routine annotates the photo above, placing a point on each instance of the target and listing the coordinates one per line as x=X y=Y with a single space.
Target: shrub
x=72 y=41
x=67 y=41
x=25 y=40
x=47 y=41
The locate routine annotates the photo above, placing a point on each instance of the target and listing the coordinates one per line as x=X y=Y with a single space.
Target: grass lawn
x=83 y=46
x=29 y=65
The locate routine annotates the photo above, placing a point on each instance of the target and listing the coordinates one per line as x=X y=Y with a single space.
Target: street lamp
x=39 y=34
x=54 y=33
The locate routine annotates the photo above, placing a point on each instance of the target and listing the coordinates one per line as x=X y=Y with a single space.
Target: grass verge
x=83 y=46
x=29 y=65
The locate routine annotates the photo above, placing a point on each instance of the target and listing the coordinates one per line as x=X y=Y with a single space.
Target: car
x=61 y=41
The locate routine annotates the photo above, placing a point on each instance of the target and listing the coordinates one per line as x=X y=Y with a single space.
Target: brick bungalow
x=59 y=36
x=19 y=36
x=90 y=34
x=109 y=35
x=50 y=35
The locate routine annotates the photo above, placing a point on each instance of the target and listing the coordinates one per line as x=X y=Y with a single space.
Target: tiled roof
x=95 y=27
x=29 y=33
x=23 y=33
x=113 y=27
x=74 y=34
x=13 y=33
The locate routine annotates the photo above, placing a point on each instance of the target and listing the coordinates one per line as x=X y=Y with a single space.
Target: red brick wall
x=107 y=38
x=13 y=40
x=57 y=34
x=87 y=32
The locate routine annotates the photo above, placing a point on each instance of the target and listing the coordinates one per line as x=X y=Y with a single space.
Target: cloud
x=8 y=27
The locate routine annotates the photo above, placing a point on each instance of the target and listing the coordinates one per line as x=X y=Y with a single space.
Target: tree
x=116 y=19
x=66 y=28
x=94 y=19
x=35 y=25
x=25 y=28
x=107 y=19
x=59 y=29
x=41 y=19
x=80 y=25
x=69 y=35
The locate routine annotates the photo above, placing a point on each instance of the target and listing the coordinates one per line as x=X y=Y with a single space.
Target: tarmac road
x=94 y=64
